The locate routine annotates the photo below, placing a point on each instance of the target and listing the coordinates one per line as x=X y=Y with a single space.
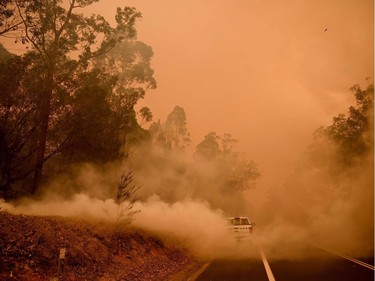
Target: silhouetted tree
x=337 y=168
x=17 y=124
x=146 y=115
x=54 y=33
x=234 y=171
x=157 y=134
x=175 y=129
x=209 y=147
x=80 y=108
x=172 y=134
x=353 y=133
x=10 y=21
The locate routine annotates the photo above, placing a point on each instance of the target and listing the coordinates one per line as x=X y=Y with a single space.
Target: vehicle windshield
x=239 y=221
x=244 y=221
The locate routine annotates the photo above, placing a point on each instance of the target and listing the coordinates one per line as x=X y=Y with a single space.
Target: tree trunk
x=42 y=124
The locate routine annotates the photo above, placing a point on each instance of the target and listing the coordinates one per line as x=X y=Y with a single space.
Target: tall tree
x=55 y=34
x=209 y=147
x=173 y=133
x=129 y=61
x=157 y=134
x=91 y=127
x=17 y=126
x=235 y=172
x=175 y=129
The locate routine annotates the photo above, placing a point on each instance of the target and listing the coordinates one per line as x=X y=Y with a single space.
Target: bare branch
x=68 y=17
x=10 y=28
x=27 y=30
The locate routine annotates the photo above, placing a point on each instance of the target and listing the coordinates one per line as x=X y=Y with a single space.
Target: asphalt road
x=322 y=265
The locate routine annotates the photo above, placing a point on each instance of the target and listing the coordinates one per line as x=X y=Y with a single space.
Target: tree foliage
x=126 y=197
x=71 y=97
x=10 y=22
x=209 y=147
x=54 y=33
x=234 y=171
x=173 y=133
x=146 y=115
x=175 y=129
x=353 y=132
x=17 y=127
x=335 y=178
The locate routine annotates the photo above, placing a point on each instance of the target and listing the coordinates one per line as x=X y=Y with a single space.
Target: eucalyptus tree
x=209 y=147
x=129 y=61
x=352 y=133
x=233 y=171
x=175 y=129
x=65 y=42
x=17 y=127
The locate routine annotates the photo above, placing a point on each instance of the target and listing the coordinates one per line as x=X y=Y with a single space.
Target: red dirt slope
x=30 y=245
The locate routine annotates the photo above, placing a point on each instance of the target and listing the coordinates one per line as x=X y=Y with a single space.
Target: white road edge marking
x=198 y=272
x=348 y=258
x=266 y=266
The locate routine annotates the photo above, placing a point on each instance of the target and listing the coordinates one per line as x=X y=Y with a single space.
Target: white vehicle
x=241 y=226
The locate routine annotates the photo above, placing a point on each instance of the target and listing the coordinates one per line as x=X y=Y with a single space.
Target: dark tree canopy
x=175 y=129
x=71 y=97
x=353 y=132
x=173 y=133
x=236 y=173
x=209 y=147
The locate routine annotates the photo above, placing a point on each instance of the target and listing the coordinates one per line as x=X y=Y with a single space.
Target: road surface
x=320 y=265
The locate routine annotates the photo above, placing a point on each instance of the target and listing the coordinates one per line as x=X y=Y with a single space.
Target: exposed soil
x=30 y=247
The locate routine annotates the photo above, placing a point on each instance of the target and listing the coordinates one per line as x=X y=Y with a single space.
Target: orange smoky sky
x=268 y=72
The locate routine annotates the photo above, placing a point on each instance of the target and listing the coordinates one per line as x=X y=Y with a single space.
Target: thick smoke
x=179 y=200
x=325 y=205
x=192 y=224
x=184 y=201
x=174 y=178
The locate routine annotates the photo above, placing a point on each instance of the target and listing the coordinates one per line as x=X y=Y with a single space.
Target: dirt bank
x=30 y=247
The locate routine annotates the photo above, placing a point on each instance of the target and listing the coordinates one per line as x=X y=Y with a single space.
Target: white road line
x=348 y=258
x=266 y=266
x=198 y=272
